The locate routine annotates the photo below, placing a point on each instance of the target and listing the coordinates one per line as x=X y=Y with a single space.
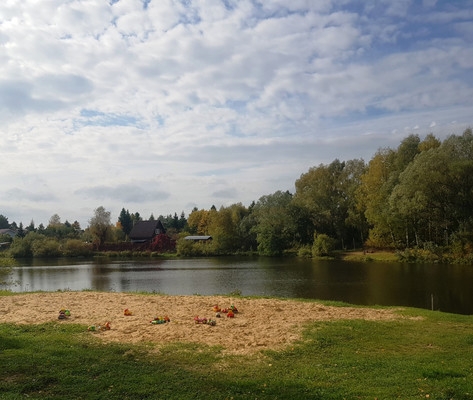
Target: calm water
x=373 y=283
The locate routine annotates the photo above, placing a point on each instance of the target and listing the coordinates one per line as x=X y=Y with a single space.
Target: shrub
x=189 y=248
x=184 y=247
x=162 y=243
x=46 y=248
x=77 y=248
x=417 y=255
x=305 y=252
x=323 y=245
x=23 y=247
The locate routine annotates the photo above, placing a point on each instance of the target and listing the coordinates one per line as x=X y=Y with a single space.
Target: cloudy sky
x=159 y=106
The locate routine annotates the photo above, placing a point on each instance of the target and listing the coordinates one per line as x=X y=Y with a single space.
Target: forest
x=416 y=200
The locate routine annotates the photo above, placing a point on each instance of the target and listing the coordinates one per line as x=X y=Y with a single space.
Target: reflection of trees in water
x=372 y=283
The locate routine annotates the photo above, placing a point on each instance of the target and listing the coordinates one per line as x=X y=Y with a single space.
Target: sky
x=160 y=106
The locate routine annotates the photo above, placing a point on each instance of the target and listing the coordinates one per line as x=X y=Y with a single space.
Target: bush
x=162 y=243
x=417 y=255
x=5 y=239
x=305 y=252
x=184 y=247
x=23 y=247
x=189 y=248
x=77 y=248
x=323 y=245
x=46 y=248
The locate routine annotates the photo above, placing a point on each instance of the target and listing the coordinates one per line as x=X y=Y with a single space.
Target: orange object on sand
x=127 y=312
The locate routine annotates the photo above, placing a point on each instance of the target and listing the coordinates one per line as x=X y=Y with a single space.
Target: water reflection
x=357 y=283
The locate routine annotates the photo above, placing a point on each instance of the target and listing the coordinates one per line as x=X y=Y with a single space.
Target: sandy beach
x=259 y=323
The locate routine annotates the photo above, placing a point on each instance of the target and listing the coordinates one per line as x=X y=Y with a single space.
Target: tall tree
x=126 y=222
x=377 y=184
x=31 y=227
x=327 y=193
x=199 y=222
x=20 y=232
x=430 y=142
x=55 y=220
x=4 y=222
x=356 y=224
x=373 y=194
x=135 y=217
x=275 y=227
x=99 y=225
x=76 y=227
x=182 y=221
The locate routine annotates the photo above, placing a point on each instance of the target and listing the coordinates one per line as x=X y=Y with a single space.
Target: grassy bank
x=378 y=255
x=427 y=355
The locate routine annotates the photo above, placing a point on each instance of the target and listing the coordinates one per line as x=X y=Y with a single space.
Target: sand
x=259 y=324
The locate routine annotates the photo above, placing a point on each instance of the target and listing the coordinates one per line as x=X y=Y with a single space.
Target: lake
x=441 y=287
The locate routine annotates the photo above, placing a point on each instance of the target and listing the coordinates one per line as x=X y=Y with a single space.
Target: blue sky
x=162 y=106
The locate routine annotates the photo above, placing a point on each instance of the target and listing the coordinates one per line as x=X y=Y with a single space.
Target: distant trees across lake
x=416 y=199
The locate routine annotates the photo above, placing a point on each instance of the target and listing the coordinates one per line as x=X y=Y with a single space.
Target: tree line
x=416 y=199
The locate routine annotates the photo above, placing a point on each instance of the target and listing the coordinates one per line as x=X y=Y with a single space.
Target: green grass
x=427 y=356
x=379 y=255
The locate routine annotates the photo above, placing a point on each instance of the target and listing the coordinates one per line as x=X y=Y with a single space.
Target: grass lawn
x=428 y=356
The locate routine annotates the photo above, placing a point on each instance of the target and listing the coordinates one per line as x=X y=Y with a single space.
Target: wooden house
x=145 y=231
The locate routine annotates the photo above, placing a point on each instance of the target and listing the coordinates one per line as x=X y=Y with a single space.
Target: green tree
x=76 y=228
x=31 y=227
x=126 y=221
x=419 y=198
x=323 y=245
x=247 y=230
x=21 y=232
x=4 y=222
x=23 y=247
x=47 y=247
x=275 y=228
x=199 y=222
x=225 y=227
x=55 y=220
x=76 y=248
x=99 y=225
x=222 y=230
x=182 y=221
x=327 y=193
x=377 y=184
x=136 y=217
x=434 y=197
x=356 y=223
x=430 y=142
x=57 y=229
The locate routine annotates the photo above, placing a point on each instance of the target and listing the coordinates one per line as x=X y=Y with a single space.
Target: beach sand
x=259 y=324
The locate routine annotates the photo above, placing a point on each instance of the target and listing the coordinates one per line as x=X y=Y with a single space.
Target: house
x=145 y=231
x=199 y=238
x=9 y=232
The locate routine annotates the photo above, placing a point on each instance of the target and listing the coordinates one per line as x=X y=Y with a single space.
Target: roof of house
x=145 y=230
x=7 y=231
x=206 y=237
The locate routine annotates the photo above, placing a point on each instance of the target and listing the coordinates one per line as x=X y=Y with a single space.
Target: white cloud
x=164 y=105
